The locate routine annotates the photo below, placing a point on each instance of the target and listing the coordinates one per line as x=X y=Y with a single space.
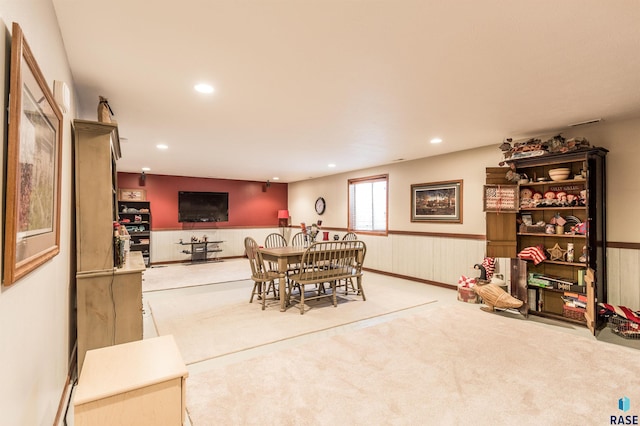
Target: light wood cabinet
x=109 y=299
x=97 y=148
x=109 y=306
x=138 y=383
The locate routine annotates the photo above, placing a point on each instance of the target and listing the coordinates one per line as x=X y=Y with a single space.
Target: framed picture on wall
x=34 y=148
x=132 y=195
x=437 y=202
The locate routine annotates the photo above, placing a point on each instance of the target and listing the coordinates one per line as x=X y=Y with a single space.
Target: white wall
x=35 y=311
x=444 y=259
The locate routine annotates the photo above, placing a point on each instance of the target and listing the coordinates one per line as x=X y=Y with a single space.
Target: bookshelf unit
x=557 y=287
x=136 y=217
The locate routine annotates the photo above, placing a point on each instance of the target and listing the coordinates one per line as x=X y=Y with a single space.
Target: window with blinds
x=368 y=204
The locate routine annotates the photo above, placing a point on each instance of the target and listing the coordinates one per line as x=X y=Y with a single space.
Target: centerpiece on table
x=310 y=233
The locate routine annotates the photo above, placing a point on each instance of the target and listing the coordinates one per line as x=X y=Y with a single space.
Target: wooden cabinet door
x=519 y=284
x=500 y=227
x=592 y=307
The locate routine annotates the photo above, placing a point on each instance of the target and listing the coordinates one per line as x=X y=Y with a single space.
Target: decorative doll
x=561 y=198
x=549 y=199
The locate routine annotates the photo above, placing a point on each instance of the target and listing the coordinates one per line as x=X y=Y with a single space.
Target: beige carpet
x=208 y=325
x=446 y=365
x=182 y=275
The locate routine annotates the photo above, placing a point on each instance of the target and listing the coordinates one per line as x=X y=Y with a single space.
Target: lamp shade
x=283 y=214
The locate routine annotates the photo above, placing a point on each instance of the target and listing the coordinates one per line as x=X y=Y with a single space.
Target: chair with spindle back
x=263 y=279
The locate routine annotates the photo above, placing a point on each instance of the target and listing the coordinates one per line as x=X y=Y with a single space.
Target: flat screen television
x=203 y=206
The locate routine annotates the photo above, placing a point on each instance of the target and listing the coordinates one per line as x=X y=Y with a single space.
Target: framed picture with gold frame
x=132 y=195
x=34 y=160
x=437 y=202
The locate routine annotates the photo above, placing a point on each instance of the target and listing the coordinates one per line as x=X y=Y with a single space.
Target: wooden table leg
x=282 y=283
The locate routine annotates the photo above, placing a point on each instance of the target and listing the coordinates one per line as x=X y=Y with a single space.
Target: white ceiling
x=300 y=84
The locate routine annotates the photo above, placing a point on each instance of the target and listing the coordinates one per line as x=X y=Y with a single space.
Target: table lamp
x=283 y=219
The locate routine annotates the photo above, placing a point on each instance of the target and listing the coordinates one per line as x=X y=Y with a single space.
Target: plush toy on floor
x=492 y=294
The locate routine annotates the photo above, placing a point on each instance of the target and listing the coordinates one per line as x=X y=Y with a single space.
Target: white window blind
x=368 y=204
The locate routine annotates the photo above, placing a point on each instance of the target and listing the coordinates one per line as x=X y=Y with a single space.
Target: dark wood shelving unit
x=136 y=217
x=504 y=238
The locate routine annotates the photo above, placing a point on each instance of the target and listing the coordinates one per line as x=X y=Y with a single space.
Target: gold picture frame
x=132 y=195
x=437 y=202
x=34 y=161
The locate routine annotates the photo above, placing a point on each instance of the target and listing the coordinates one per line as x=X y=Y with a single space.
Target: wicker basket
x=623 y=327
x=574 y=313
x=466 y=294
x=532 y=229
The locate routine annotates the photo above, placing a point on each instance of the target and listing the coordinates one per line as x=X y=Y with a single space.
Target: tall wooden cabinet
x=109 y=299
x=564 y=219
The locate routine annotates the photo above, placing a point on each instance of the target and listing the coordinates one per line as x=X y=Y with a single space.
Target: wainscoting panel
x=379 y=252
x=422 y=257
x=623 y=277
x=437 y=259
x=164 y=247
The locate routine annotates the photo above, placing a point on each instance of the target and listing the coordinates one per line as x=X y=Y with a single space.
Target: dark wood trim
x=406 y=277
x=621 y=245
x=441 y=235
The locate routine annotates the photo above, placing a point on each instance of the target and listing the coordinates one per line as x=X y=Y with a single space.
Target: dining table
x=284 y=257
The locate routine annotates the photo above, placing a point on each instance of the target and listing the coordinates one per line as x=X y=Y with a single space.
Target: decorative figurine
x=569 y=256
x=583 y=257
x=556 y=252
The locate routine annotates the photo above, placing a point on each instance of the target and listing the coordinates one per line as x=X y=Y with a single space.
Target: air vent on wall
x=583 y=123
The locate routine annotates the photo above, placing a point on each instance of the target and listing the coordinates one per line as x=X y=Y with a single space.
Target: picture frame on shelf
x=132 y=195
x=34 y=161
x=501 y=198
x=437 y=202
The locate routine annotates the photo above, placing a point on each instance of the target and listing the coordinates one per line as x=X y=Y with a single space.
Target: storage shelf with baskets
x=560 y=215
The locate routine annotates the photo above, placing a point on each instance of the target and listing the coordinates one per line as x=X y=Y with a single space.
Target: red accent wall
x=250 y=203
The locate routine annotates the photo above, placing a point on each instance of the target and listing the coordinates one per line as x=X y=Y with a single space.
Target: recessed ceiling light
x=436 y=140
x=146 y=169
x=331 y=165
x=276 y=178
x=162 y=146
x=203 y=88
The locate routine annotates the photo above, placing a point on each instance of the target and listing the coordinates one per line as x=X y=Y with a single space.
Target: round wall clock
x=320 y=205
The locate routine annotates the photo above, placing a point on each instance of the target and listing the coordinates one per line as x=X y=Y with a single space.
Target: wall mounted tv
x=203 y=206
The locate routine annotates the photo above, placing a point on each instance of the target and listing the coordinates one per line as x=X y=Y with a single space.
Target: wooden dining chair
x=263 y=279
x=350 y=236
x=297 y=240
x=274 y=240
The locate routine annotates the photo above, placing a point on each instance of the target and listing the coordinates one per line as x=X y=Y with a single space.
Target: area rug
x=444 y=365
x=166 y=277
x=208 y=325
